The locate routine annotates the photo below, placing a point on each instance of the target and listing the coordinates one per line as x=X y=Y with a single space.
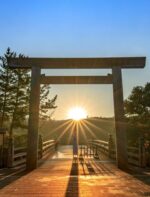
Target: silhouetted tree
x=21 y=100
x=7 y=80
x=15 y=92
x=137 y=105
x=46 y=104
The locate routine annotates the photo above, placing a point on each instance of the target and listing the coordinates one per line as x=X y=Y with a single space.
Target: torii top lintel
x=83 y=63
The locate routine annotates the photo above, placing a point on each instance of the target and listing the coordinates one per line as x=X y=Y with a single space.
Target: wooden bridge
x=94 y=173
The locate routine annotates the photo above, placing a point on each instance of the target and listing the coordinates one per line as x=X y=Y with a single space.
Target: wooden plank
x=135 y=155
x=84 y=63
x=133 y=162
x=121 y=143
x=32 y=150
x=19 y=162
x=130 y=148
x=76 y=79
x=20 y=155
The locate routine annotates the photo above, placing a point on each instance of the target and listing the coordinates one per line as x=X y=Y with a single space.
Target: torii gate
x=116 y=64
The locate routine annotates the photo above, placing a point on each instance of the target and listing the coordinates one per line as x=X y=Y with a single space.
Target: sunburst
x=77 y=113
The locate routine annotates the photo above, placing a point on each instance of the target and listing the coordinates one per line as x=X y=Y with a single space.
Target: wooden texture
x=121 y=143
x=55 y=63
x=76 y=79
x=32 y=150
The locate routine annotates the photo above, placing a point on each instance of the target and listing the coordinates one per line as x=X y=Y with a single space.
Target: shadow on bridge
x=91 y=167
x=73 y=183
x=8 y=176
x=86 y=167
x=141 y=174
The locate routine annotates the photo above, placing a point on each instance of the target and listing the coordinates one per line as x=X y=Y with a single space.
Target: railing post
x=110 y=145
x=96 y=152
x=84 y=151
x=10 y=158
x=93 y=150
x=56 y=146
x=81 y=150
x=1 y=156
x=40 y=146
x=90 y=149
x=142 y=156
x=87 y=150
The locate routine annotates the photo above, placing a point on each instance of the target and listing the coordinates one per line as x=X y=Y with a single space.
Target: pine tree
x=15 y=93
x=7 y=79
x=46 y=104
x=21 y=101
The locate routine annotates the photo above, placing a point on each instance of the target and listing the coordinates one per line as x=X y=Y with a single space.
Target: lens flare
x=77 y=113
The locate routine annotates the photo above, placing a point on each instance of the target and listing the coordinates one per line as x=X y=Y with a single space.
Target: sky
x=80 y=28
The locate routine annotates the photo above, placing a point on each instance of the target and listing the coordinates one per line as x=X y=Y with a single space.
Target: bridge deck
x=61 y=176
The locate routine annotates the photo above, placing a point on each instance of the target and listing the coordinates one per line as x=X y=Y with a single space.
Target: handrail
x=102 y=146
x=101 y=141
x=133 y=156
x=48 y=141
x=18 y=149
x=47 y=146
x=136 y=155
x=133 y=148
x=19 y=154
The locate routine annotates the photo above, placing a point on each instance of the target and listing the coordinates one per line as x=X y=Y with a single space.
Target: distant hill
x=90 y=128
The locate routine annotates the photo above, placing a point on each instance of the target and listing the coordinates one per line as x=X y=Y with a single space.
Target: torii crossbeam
x=115 y=63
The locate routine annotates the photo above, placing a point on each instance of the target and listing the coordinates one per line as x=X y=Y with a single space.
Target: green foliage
x=46 y=104
x=7 y=80
x=20 y=140
x=137 y=110
x=137 y=106
x=21 y=101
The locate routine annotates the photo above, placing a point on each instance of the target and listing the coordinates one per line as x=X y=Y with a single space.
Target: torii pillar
x=32 y=148
x=121 y=141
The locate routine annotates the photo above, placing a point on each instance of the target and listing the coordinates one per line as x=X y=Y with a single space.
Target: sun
x=77 y=113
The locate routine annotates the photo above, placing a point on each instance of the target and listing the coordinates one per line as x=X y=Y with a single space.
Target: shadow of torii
x=73 y=183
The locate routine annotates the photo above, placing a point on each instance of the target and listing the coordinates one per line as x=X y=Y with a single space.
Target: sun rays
x=86 y=128
x=77 y=113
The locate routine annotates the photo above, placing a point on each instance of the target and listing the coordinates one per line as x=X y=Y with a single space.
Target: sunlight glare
x=77 y=113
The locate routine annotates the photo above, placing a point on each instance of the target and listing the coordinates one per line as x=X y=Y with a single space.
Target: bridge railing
x=45 y=147
x=136 y=155
x=133 y=156
x=106 y=147
x=17 y=156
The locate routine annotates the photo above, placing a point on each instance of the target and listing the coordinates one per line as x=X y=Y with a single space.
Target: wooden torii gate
x=116 y=64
